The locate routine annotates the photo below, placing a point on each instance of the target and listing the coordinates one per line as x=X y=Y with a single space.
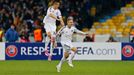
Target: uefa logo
x=11 y=51
x=128 y=51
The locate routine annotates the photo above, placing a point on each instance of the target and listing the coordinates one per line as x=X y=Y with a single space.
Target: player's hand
x=58 y=19
x=62 y=24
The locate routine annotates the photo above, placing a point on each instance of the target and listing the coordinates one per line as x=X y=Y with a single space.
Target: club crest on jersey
x=128 y=51
x=72 y=30
x=11 y=51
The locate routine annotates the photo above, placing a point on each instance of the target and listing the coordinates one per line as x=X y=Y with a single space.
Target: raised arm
x=61 y=21
x=13 y=14
x=79 y=32
x=60 y=18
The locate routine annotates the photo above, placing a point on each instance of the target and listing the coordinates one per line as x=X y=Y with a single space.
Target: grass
x=81 y=68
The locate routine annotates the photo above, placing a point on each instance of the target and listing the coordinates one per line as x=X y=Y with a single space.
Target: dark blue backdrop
x=127 y=51
x=30 y=54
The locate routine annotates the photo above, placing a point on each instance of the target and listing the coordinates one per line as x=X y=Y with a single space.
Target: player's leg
x=51 y=48
x=72 y=54
x=47 y=42
x=65 y=56
x=53 y=35
x=52 y=45
x=48 y=37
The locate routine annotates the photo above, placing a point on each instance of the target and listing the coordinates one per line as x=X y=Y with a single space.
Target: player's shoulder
x=73 y=27
x=50 y=8
x=58 y=10
x=63 y=28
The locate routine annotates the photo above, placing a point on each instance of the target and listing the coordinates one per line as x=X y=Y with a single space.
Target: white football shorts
x=50 y=27
x=66 y=46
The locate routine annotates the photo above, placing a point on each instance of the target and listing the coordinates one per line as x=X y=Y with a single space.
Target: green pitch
x=80 y=68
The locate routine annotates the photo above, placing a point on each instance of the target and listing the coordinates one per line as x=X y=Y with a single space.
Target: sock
x=61 y=62
x=71 y=56
x=47 y=42
x=51 y=46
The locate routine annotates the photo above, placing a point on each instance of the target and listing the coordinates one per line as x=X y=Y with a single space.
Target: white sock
x=61 y=62
x=47 y=42
x=71 y=56
x=52 y=46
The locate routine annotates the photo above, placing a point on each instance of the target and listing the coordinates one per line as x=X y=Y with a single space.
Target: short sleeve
x=59 y=13
x=49 y=10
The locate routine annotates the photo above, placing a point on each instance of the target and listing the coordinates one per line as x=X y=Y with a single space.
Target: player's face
x=70 y=23
x=12 y=27
x=56 y=5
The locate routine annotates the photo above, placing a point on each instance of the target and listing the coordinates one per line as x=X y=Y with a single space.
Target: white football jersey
x=66 y=33
x=48 y=19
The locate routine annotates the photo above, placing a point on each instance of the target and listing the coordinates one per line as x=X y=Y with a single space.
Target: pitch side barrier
x=85 y=51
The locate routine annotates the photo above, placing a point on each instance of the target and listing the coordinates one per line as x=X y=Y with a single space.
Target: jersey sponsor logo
x=128 y=51
x=11 y=51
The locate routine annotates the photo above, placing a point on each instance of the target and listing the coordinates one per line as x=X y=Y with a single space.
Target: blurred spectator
x=132 y=30
x=24 y=35
x=1 y=34
x=38 y=35
x=11 y=34
x=111 y=39
x=89 y=39
x=132 y=41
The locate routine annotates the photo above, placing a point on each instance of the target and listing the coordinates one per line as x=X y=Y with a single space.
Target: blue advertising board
x=30 y=51
x=127 y=51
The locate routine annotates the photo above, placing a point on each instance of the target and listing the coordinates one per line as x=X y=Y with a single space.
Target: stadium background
x=100 y=17
x=105 y=20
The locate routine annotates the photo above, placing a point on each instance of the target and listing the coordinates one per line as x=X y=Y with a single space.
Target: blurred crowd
x=86 y=12
x=27 y=15
x=21 y=13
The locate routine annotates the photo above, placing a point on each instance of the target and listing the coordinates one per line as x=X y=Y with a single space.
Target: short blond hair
x=70 y=18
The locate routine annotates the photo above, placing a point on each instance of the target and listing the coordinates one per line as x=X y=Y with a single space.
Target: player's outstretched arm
x=81 y=33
